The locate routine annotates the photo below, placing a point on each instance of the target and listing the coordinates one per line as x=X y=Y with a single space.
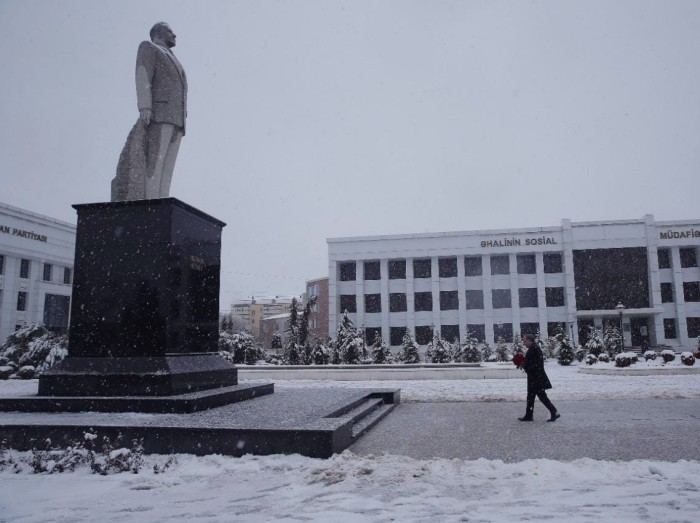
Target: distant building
x=36 y=270
x=542 y=279
x=318 y=320
x=272 y=325
x=251 y=312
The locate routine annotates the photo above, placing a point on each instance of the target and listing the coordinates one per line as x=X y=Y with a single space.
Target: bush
x=240 y=347
x=591 y=359
x=668 y=355
x=579 y=353
x=27 y=372
x=33 y=346
x=650 y=355
x=603 y=357
x=594 y=345
x=688 y=359
x=470 y=350
x=566 y=349
x=502 y=351
x=486 y=351
x=625 y=359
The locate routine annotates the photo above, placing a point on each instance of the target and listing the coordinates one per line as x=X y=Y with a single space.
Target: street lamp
x=620 y=308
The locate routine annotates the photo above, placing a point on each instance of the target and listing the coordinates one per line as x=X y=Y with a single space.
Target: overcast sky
x=317 y=119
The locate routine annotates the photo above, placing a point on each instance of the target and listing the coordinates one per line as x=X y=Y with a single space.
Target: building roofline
x=35 y=216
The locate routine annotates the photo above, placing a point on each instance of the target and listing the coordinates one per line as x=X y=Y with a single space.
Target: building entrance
x=640 y=331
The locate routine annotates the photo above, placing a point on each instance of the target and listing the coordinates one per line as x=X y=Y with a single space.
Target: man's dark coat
x=537 y=379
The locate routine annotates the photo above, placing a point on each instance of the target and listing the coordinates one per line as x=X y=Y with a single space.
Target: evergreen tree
x=594 y=345
x=456 y=352
x=486 y=350
x=612 y=341
x=502 y=350
x=349 y=341
x=566 y=349
x=409 y=352
x=224 y=325
x=293 y=351
x=437 y=351
x=470 y=348
x=321 y=355
x=380 y=351
x=518 y=347
x=276 y=342
x=239 y=348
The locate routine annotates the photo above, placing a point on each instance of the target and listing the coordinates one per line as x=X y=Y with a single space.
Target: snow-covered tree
x=594 y=344
x=470 y=349
x=612 y=341
x=566 y=349
x=380 y=351
x=321 y=354
x=517 y=347
x=502 y=350
x=486 y=351
x=409 y=352
x=294 y=353
x=437 y=351
x=457 y=352
x=349 y=341
x=276 y=341
x=33 y=346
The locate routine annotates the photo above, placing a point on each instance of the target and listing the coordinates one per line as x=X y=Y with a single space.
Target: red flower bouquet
x=518 y=359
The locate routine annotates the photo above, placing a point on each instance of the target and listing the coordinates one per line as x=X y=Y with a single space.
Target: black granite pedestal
x=145 y=312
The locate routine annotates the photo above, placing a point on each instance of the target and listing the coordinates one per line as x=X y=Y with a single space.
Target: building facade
x=251 y=312
x=639 y=273
x=318 y=319
x=36 y=270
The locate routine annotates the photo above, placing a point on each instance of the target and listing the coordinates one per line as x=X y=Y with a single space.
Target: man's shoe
x=555 y=417
x=525 y=418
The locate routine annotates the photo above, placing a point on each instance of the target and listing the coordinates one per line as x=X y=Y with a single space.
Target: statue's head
x=162 y=34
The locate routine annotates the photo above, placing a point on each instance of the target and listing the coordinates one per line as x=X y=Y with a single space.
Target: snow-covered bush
x=33 y=346
x=668 y=355
x=566 y=349
x=239 y=348
x=591 y=359
x=493 y=358
x=437 y=352
x=486 y=351
x=321 y=355
x=409 y=353
x=579 y=353
x=603 y=357
x=502 y=352
x=380 y=351
x=612 y=341
x=625 y=359
x=650 y=355
x=6 y=371
x=470 y=349
x=27 y=372
x=687 y=358
x=549 y=347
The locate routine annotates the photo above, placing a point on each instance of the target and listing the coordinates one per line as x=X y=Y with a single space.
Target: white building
x=503 y=282
x=36 y=270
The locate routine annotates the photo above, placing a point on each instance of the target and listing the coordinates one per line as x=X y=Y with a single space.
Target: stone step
x=363 y=409
x=371 y=420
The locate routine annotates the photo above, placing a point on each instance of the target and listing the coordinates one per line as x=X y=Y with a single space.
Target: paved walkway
x=666 y=430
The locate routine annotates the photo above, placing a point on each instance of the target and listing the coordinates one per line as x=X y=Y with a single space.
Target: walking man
x=537 y=380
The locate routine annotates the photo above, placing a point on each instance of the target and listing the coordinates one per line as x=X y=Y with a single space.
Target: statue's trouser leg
x=169 y=163
x=160 y=136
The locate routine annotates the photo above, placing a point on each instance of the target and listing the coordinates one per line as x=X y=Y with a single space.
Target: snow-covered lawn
x=568 y=384
x=350 y=488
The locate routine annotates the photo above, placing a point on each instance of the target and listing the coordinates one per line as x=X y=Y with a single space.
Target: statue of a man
x=147 y=161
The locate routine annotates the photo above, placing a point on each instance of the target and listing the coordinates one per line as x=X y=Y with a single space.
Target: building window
x=552 y=262
x=477 y=331
x=447 y=267
x=472 y=266
x=348 y=271
x=2 y=263
x=372 y=270
x=693 y=327
x=348 y=303
x=664 y=259
x=66 y=275
x=24 y=269
x=688 y=257
x=371 y=334
x=526 y=264
x=56 y=309
x=424 y=334
x=555 y=327
x=500 y=265
x=450 y=333
x=423 y=301
x=475 y=299
x=670 y=328
x=449 y=300
x=501 y=298
x=47 y=272
x=503 y=332
x=529 y=328
x=422 y=268
x=666 y=293
x=527 y=297
x=21 y=301
x=373 y=303
x=554 y=296
x=397 y=269
x=691 y=291
x=396 y=335
x=397 y=302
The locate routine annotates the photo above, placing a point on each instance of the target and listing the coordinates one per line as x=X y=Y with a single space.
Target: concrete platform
x=311 y=422
x=640 y=371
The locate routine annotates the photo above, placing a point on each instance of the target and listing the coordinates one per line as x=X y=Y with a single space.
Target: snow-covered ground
x=350 y=488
